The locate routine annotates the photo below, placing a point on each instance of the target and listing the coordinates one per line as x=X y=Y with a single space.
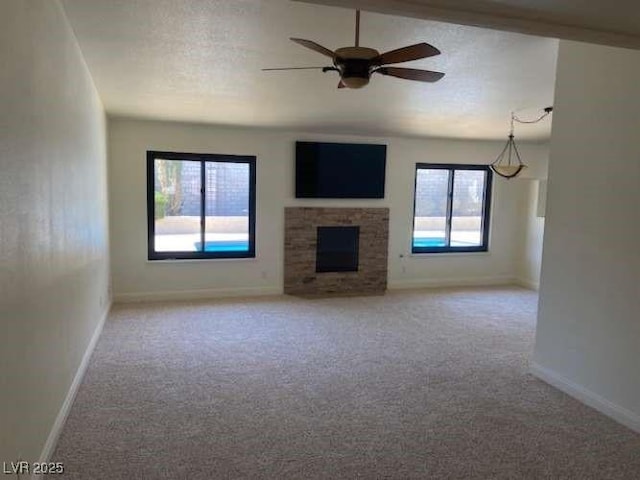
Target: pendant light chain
x=547 y=111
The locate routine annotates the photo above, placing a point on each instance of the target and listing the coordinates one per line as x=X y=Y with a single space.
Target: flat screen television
x=340 y=170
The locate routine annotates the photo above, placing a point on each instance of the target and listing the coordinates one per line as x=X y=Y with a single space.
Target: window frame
x=153 y=155
x=486 y=212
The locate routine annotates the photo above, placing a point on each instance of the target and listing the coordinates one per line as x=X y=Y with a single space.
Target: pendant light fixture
x=509 y=164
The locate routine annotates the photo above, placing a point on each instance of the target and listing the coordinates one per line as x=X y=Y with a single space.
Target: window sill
x=170 y=261
x=448 y=254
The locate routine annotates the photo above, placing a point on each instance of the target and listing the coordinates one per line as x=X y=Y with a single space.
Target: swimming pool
x=224 y=246
x=429 y=242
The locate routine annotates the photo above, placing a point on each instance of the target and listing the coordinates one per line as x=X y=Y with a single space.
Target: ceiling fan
x=355 y=65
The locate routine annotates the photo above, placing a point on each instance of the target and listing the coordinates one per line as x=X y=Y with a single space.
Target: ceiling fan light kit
x=353 y=64
x=509 y=164
x=356 y=64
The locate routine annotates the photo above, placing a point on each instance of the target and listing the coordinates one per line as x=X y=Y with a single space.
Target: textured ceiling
x=200 y=61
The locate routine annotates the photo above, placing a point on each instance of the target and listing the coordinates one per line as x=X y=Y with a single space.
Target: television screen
x=340 y=170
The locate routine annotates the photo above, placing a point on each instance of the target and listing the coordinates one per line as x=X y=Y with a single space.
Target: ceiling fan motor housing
x=355 y=65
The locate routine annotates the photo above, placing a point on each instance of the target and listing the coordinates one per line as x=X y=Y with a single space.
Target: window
x=200 y=206
x=451 y=208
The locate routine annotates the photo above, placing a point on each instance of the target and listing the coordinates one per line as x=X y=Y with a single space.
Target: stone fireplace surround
x=300 y=276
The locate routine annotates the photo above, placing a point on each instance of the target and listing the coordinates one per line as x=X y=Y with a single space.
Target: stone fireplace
x=335 y=251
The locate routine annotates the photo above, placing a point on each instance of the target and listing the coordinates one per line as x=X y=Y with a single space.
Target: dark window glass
x=200 y=206
x=451 y=208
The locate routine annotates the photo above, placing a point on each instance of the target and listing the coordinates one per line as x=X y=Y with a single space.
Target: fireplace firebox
x=337 y=249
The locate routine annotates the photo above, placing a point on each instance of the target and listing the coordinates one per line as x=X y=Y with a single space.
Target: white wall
x=134 y=277
x=588 y=337
x=53 y=220
x=530 y=258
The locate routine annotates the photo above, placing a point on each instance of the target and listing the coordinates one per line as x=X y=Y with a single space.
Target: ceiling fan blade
x=292 y=68
x=406 y=54
x=313 y=46
x=411 y=74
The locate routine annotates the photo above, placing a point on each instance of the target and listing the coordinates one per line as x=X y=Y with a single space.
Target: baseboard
x=61 y=418
x=526 y=283
x=450 y=282
x=199 y=294
x=196 y=294
x=595 y=401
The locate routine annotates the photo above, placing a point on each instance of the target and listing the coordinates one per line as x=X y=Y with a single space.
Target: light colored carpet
x=420 y=384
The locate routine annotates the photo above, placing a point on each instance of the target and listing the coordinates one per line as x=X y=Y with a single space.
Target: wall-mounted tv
x=340 y=170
